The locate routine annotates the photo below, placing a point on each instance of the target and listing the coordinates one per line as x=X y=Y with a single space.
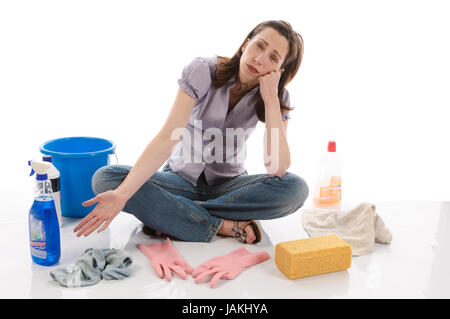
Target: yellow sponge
x=312 y=256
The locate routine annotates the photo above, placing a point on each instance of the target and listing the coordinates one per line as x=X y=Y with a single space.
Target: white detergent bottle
x=53 y=176
x=327 y=189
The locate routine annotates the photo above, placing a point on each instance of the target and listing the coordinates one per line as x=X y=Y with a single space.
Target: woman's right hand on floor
x=110 y=203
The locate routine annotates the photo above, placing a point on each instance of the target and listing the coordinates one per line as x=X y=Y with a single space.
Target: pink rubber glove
x=165 y=257
x=228 y=266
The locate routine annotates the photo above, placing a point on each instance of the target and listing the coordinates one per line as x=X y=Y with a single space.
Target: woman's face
x=262 y=54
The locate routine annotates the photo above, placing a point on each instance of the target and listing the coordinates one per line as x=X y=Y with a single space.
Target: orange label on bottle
x=332 y=192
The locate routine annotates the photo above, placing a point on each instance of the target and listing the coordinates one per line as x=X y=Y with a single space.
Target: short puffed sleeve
x=196 y=78
x=285 y=115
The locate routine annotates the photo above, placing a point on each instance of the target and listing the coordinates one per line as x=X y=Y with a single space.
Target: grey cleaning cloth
x=93 y=266
x=360 y=227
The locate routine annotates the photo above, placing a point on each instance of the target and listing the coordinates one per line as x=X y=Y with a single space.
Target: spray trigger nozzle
x=40 y=168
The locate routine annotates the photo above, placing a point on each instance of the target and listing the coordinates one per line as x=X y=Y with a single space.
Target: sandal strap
x=239 y=232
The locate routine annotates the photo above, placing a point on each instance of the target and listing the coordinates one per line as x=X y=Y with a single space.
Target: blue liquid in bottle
x=44 y=231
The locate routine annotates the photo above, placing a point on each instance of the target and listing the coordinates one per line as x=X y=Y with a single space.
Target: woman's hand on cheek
x=268 y=85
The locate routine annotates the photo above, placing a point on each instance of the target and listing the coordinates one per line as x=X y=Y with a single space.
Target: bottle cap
x=331 y=146
x=47 y=158
x=41 y=177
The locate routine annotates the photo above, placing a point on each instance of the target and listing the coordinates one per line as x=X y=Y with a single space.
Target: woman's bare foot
x=227 y=227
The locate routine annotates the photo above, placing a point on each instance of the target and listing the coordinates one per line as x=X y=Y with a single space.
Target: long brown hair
x=228 y=68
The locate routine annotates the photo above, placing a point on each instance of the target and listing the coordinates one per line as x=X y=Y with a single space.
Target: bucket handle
x=115 y=155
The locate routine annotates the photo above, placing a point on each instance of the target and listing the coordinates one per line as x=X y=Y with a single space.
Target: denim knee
x=295 y=192
x=108 y=177
x=97 y=180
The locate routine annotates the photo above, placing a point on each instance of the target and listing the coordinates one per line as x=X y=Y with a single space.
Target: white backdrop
x=375 y=78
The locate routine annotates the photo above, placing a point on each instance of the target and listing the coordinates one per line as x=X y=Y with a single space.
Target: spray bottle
x=45 y=247
x=327 y=190
x=53 y=176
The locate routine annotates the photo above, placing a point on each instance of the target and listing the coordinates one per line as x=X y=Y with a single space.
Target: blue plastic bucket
x=77 y=159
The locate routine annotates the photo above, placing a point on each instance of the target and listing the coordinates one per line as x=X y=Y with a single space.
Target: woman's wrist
x=123 y=194
x=271 y=101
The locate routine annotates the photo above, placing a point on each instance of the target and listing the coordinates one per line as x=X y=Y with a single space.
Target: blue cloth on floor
x=93 y=266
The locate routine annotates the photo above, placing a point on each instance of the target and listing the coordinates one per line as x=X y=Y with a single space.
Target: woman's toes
x=250 y=234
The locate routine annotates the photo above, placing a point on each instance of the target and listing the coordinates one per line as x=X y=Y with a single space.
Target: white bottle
x=53 y=176
x=327 y=189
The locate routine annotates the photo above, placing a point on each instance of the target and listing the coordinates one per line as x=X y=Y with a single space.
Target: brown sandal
x=240 y=234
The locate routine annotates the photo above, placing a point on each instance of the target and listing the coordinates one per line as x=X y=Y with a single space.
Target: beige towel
x=360 y=227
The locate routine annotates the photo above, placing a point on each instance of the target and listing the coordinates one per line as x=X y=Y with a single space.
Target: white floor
x=415 y=265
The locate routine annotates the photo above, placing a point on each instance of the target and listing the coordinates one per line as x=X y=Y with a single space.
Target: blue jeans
x=170 y=204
